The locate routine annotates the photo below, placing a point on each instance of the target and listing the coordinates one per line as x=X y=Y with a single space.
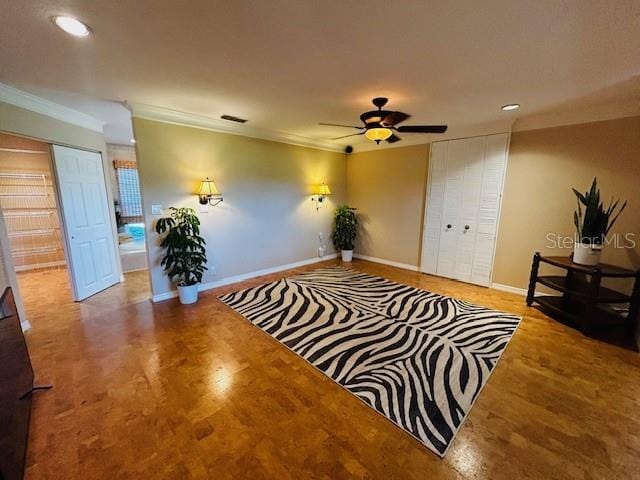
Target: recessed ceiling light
x=510 y=106
x=72 y=26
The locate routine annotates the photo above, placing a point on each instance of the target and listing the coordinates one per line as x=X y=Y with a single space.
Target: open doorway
x=31 y=215
x=57 y=233
x=125 y=185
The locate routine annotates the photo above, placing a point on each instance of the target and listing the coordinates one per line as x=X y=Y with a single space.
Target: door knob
x=466 y=227
x=448 y=226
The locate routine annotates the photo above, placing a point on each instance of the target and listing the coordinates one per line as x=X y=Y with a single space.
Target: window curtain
x=129 y=188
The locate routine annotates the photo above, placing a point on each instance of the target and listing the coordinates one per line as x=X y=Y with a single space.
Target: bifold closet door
x=87 y=221
x=462 y=209
x=470 y=152
x=432 y=230
x=493 y=172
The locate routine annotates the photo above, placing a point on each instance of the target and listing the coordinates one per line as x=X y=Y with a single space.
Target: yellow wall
x=388 y=188
x=267 y=218
x=543 y=166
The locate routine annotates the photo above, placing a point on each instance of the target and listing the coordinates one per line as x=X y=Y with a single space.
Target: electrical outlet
x=156 y=209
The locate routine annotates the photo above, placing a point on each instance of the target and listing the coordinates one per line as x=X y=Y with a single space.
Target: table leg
x=634 y=307
x=533 y=278
x=588 y=319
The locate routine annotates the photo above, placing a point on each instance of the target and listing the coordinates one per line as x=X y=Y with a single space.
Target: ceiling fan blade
x=395 y=118
x=393 y=138
x=338 y=125
x=345 y=136
x=423 y=129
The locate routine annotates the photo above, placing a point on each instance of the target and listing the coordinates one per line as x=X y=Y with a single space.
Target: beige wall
x=543 y=166
x=267 y=218
x=388 y=188
x=30 y=124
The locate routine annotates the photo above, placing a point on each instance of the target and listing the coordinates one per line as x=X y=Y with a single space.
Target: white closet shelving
x=31 y=218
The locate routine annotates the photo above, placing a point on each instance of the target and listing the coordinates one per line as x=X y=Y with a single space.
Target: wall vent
x=231 y=118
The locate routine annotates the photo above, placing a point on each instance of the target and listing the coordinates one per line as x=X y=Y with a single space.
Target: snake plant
x=594 y=223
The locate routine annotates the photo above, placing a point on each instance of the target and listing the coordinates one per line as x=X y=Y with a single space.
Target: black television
x=16 y=385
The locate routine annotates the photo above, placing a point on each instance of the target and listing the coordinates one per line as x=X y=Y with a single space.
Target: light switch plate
x=156 y=209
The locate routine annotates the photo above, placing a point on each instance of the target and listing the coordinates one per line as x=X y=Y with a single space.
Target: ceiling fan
x=381 y=124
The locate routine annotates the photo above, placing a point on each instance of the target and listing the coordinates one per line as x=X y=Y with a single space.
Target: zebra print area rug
x=418 y=358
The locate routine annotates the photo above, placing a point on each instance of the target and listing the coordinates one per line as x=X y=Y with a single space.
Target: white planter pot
x=347 y=255
x=188 y=294
x=587 y=254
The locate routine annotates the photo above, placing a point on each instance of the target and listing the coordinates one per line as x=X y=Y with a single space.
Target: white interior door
x=87 y=223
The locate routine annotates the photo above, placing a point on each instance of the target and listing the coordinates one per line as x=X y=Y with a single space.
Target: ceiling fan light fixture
x=377 y=134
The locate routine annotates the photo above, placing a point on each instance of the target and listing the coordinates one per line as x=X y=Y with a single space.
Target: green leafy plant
x=344 y=228
x=185 y=256
x=595 y=222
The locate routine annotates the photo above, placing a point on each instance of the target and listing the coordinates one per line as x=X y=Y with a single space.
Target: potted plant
x=593 y=224
x=185 y=256
x=344 y=231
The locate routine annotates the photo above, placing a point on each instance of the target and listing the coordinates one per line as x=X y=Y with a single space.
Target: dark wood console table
x=584 y=301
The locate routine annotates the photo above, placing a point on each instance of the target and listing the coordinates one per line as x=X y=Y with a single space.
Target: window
x=129 y=187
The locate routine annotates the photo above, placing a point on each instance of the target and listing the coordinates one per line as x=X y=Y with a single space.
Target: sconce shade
x=208 y=193
x=324 y=190
x=319 y=194
x=208 y=187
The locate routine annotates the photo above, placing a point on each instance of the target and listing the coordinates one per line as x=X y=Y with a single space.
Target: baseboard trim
x=133 y=270
x=405 y=266
x=25 y=325
x=508 y=288
x=245 y=276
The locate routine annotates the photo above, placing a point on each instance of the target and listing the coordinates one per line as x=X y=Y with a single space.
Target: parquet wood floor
x=164 y=391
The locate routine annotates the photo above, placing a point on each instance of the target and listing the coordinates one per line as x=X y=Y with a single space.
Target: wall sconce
x=208 y=193
x=319 y=194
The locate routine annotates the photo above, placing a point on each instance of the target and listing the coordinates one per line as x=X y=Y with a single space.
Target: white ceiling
x=287 y=64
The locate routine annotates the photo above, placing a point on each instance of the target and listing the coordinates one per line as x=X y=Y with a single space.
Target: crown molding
x=175 y=117
x=51 y=109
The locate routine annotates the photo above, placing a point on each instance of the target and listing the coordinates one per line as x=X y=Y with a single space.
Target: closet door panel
x=434 y=207
x=471 y=151
x=483 y=259
x=489 y=207
x=492 y=179
x=451 y=211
